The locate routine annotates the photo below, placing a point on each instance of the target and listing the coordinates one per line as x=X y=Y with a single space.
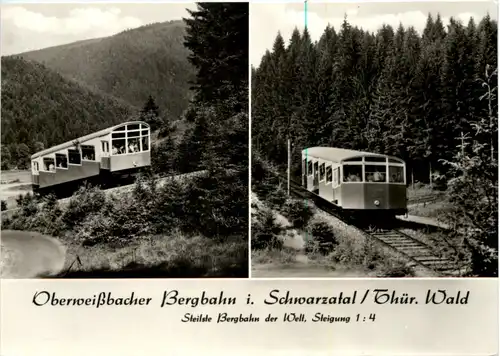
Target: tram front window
x=352 y=173
x=396 y=174
x=375 y=173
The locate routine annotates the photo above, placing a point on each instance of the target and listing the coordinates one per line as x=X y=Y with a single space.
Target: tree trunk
x=412 y=179
x=430 y=174
x=288 y=170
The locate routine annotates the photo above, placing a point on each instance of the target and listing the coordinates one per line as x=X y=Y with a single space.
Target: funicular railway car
x=104 y=157
x=357 y=182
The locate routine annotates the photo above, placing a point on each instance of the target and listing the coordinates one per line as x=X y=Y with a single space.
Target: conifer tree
x=217 y=35
x=150 y=114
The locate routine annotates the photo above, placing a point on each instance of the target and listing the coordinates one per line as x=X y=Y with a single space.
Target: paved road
x=30 y=255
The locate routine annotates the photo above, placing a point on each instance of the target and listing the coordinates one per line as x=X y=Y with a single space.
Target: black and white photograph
x=374 y=139
x=125 y=140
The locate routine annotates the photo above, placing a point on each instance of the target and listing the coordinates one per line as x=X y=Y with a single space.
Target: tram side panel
x=87 y=169
x=130 y=161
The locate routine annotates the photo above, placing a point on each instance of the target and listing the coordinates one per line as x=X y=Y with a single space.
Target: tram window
x=316 y=168
x=375 y=173
x=375 y=159
x=145 y=143
x=336 y=177
x=118 y=135
x=61 y=160
x=105 y=146
x=309 y=168
x=49 y=164
x=120 y=129
x=328 y=174
x=133 y=145
x=354 y=159
x=396 y=174
x=144 y=132
x=133 y=127
x=352 y=173
x=133 y=134
x=88 y=152
x=392 y=160
x=119 y=146
x=74 y=156
x=322 y=172
x=304 y=164
x=35 y=166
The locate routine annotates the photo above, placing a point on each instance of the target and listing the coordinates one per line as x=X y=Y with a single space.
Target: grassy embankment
x=173 y=230
x=435 y=209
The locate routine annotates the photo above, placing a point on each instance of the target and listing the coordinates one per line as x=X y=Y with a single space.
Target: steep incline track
x=418 y=252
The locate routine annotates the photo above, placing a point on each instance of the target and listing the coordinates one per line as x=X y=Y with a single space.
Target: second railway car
x=356 y=181
x=104 y=157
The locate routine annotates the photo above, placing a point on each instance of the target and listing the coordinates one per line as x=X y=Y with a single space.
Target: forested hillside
x=428 y=98
x=41 y=108
x=150 y=60
x=395 y=92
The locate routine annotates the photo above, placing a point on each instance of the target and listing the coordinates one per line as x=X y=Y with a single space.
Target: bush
x=87 y=200
x=27 y=204
x=322 y=239
x=298 y=212
x=265 y=232
x=276 y=197
x=39 y=215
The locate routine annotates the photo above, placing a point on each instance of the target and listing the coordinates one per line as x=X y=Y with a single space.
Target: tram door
x=309 y=176
x=336 y=185
x=316 y=177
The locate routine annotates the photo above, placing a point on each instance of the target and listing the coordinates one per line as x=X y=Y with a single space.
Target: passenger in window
x=378 y=177
x=115 y=150
x=370 y=177
x=51 y=167
x=354 y=178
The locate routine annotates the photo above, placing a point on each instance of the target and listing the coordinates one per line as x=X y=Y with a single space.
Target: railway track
x=425 y=199
x=419 y=253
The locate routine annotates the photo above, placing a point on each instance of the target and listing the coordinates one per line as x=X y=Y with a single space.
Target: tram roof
x=340 y=154
x=82 y=139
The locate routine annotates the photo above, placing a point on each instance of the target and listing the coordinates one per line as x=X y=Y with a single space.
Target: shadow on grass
x=163 y=270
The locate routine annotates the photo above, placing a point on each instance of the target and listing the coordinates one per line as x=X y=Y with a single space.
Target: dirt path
x=301 y=270
x=30 y=255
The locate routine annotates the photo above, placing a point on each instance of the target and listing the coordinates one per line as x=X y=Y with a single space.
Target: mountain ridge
x=154 y=53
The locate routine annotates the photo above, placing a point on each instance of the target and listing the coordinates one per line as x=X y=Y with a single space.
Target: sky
x=266 y=19
x=26 y=27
